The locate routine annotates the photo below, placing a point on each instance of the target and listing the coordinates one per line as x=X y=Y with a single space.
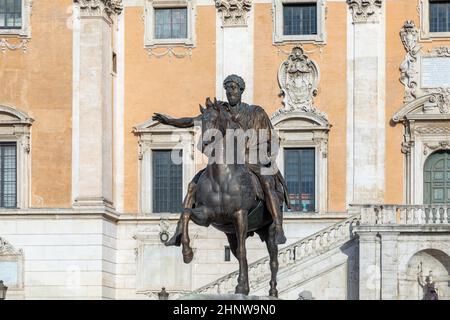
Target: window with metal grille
x=439 y=16
x=299 y=166
x=171 y=23
x=300 y=19
x=8 y=175
x=10 y=14
x=167 y=182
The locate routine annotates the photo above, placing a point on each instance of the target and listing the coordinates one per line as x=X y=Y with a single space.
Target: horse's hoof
x=273 y=293
x=242 y=290
x=188 y=255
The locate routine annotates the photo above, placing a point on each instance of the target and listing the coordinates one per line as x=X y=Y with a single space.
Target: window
x=10 y=14
x=227 y=254
x=167 y=182
x=434 y=19
x=169 y=22
x=300 y=19
x=439 y=16
x=299 y=169
x=163 y=182
x=8 y=175
x=15 y=147
x=15 y=17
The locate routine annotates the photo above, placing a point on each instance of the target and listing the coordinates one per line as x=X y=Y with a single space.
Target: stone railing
x=297 y=252
x=404 y=214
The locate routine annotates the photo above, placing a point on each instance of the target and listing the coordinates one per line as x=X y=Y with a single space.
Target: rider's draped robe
x=254 y=118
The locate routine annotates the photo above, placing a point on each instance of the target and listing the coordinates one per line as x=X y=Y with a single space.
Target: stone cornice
x=94 y=8
x=365 y=10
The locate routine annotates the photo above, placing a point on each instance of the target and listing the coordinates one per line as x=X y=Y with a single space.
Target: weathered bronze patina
x=236 y=198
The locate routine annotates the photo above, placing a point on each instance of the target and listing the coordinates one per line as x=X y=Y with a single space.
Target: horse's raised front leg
x=188 y=254
x=200 y=216
x=272 y=247
x=240 y=225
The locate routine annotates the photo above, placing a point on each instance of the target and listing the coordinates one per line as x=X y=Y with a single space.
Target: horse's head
x=214 y=120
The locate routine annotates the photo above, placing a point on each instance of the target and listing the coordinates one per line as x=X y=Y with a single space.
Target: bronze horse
x=229 y=197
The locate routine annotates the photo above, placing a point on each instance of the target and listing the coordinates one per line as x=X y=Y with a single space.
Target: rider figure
x=250 y=117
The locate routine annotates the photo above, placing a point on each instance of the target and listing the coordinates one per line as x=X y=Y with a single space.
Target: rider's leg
x=273 y=205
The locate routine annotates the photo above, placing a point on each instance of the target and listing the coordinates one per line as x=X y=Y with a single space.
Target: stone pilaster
x=94 y=105
x=389 y=266
x=366 y=110
x=234 y=32
x=369 y=266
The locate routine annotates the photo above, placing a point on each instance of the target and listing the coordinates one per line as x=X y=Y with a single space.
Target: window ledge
x=280 y=39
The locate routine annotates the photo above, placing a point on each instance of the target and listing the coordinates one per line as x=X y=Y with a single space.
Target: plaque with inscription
x=435 y=72
x=8 y=273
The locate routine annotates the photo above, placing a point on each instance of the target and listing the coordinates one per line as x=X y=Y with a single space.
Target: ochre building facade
x=358 y=92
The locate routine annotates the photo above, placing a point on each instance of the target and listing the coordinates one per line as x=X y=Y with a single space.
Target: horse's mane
x=227 y=118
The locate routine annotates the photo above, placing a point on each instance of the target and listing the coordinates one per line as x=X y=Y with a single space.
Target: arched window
x=436 y=177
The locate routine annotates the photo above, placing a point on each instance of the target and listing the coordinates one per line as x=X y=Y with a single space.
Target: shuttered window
x=300 y=19
x=167 y=182
x=8 y=175
x=10 y=14
x=439 y=16
x=299 y=167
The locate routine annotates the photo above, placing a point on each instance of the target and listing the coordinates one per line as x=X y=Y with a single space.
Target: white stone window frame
x=25 y=30
x=306 y=130
x=15 y=126
x=425 y=33
x=154 y=136
x=149 y=15
x=279 y=37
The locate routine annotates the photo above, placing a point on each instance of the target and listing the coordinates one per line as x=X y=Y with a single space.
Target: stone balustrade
x=404 y=214
x=295 y=253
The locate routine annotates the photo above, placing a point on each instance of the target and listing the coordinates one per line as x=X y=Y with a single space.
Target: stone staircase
x=289 y=257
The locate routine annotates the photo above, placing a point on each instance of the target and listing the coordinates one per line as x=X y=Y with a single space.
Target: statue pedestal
x=239 y=297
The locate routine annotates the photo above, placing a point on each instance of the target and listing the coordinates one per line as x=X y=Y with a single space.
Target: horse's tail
x=285 y=190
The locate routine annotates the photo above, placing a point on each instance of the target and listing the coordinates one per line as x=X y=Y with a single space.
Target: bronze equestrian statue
x=236 y=198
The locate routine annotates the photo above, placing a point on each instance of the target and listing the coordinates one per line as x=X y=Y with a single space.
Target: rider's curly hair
x=236 y=79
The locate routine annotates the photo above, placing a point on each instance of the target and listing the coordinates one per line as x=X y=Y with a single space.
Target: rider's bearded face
x=233 y=93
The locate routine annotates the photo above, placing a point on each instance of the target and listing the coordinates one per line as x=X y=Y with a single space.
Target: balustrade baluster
x=445 y=216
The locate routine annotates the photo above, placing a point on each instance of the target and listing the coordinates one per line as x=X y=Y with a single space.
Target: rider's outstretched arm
x=179 y=123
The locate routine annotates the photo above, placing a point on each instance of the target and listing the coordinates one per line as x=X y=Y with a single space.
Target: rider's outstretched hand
x=160 y=118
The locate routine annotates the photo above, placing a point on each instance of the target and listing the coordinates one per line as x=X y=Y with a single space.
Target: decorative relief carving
x=433 y=130
x=234 y=12
x=298 y=78
x=442 y=145
x=410 y=71
x=409 y=74
x=365 y=10
x=441 y=51
x=7 y=249
x=406 y=147
x=5 y=45
x=100 y=7
x=170 y=53
x=439 y=101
